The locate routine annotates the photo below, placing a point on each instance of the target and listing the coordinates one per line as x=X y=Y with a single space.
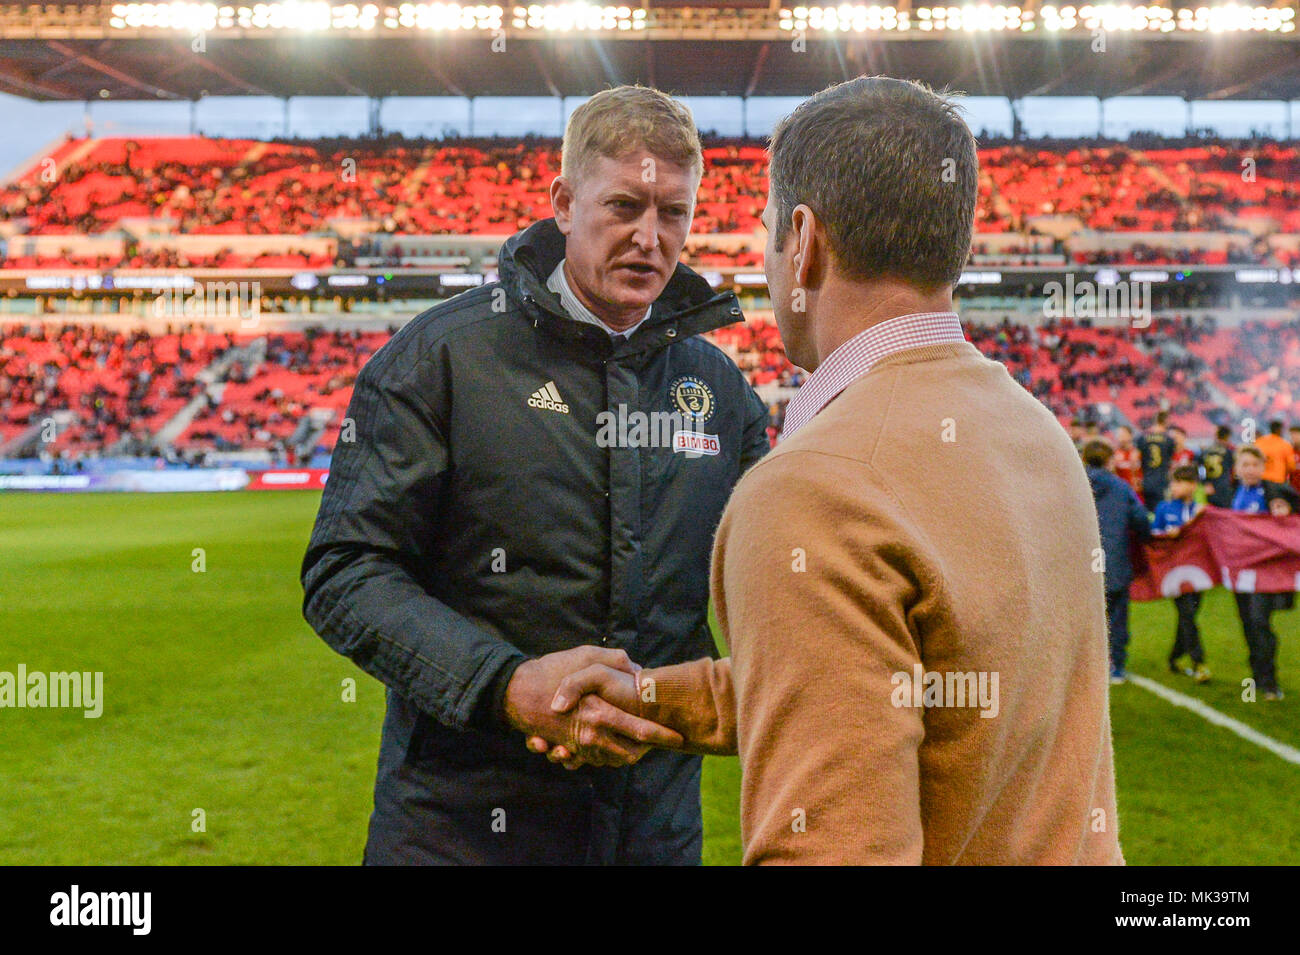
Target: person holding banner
x=1249 y=496
x=1170 y=517
x=1283 y=501
x=1256 y=609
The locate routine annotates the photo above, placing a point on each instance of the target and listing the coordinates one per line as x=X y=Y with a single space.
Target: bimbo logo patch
x=693 y=442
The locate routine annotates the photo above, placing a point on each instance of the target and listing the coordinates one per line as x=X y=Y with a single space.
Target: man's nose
x=646 y=234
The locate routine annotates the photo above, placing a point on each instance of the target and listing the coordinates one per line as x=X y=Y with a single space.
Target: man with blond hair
x=505 y=517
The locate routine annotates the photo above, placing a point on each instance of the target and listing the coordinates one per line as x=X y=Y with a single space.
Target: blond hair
x=617 y=121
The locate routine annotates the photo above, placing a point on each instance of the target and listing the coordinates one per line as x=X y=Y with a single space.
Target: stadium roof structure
x=186 y=51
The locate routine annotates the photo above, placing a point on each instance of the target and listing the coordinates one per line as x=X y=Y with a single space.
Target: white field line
x=1208 y=713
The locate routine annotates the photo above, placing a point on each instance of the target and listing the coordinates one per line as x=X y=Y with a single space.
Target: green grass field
x=220 y=698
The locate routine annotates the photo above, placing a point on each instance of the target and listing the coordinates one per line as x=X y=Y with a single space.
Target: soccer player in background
x=1256 y=610
x=1157 y=450
x=1294 y=432
x=1122 y=519
x=1171 y=516
x=1182 y=453
x=1217 y=462
x=1279 y=456
x=1127 y=462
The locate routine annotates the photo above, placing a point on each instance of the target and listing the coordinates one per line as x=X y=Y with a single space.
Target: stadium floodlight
x=984 y=16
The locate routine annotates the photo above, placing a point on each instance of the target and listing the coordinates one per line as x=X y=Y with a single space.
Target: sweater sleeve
x=814 y=580
x=696 y=700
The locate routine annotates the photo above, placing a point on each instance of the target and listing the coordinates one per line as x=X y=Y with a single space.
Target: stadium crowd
x=497 y=186
x=1201 y=375
x=117 y=386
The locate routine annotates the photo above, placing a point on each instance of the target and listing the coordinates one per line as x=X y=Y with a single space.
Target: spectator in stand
x=1171 y=516
x=1217 y=460
x=1157 y=450
x=1279 y=456
x=1122 y=520
x=1127 y=461
x=1076 y=433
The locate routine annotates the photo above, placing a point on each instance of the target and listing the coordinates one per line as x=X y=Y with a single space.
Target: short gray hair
x=890 y=169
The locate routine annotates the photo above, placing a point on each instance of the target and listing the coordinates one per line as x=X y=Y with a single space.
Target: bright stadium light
x=984 y=16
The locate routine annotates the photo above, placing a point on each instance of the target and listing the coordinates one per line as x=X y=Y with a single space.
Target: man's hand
x=588 y=688
x=598 y=731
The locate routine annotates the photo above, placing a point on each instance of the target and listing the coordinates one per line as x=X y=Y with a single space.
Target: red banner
x=295 y=479
x=1251 y=553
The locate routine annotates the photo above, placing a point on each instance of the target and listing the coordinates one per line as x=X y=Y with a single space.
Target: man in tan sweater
x=908 y=583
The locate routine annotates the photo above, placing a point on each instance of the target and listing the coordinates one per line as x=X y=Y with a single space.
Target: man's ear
x=562 y=203
x=809 y=247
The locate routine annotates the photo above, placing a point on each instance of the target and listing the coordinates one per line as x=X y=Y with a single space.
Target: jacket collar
x=688 y=305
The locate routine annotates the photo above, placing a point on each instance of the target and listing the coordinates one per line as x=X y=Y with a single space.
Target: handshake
x=582 y=706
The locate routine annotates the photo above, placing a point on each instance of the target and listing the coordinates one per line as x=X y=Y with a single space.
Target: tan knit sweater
x=932 y=528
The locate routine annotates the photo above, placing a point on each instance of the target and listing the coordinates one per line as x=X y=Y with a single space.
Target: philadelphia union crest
x=692 y=397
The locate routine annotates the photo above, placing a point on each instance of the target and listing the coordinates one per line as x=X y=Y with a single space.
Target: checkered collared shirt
x=859 y=355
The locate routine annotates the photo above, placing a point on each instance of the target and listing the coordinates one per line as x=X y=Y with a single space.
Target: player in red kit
x=1127 y=459
x=1183 y=455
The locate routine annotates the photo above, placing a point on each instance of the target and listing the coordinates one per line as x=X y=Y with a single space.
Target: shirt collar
x=857 y=356
x=558 y=283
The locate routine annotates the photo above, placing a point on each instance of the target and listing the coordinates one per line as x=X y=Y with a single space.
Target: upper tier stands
x=244 y=187
x=495 y=187
x=1119 y=189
